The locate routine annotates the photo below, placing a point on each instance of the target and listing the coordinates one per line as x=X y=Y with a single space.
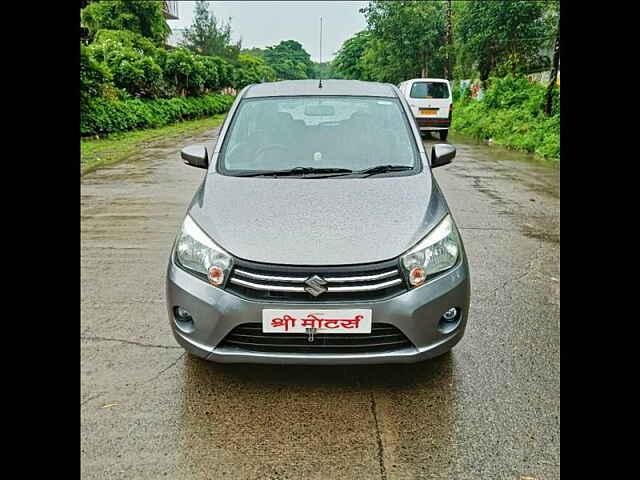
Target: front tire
x=444 y=134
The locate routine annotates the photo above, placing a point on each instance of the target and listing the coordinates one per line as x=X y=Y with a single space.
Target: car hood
x=307 y=221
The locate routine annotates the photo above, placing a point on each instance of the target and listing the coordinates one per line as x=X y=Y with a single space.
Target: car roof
x=426 y=80
x=329 y=87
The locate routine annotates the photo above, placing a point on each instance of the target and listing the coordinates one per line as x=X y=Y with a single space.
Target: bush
x=210 y=73
x=185 y=71
x=102 y=116
x=93 y=76
x=455 y=90
x=143 y=70
x=515 y=91
x=126 y=38
x=224 y=71
x=133 y=62
x=135 y=65
x=134 y=71
x=511 y=113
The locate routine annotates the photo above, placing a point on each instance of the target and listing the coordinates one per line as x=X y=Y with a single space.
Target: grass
x=97 y=153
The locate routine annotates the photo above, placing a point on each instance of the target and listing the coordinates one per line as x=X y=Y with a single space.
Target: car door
x=429 y=98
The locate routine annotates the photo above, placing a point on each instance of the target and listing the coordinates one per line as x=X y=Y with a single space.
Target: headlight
x=438 y=251
x=197 y=252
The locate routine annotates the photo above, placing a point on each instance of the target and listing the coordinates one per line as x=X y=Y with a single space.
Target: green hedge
x=93 y=76
x=131 y=63
x=511 y=114
x=102 y=116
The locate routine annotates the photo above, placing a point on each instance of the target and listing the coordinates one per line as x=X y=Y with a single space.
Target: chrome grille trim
x=366 y=288
x=272 y=278
x=362 y=278
x=275 y=278
x=281 y=288
x=259 y=286
x=288 y=283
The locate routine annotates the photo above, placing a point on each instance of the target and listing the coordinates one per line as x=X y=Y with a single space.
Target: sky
x=264 y=23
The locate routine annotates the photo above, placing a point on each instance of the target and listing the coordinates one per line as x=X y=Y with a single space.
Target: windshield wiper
x=384 y=169
x=295 y=171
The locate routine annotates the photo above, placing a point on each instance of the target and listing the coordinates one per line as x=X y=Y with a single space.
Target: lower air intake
x=383 y=337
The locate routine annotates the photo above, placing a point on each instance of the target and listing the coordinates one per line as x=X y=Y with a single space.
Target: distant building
x=170 y=10
x=177 y=35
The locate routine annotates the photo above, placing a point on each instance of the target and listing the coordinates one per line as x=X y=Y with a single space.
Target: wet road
x=489 y=410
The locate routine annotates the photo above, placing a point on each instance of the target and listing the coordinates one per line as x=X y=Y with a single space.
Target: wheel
x=444 y=134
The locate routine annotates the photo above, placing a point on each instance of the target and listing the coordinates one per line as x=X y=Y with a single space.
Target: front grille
x=383 y=337
x=287 y=283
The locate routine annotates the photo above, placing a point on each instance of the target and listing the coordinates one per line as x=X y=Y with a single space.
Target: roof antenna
x=320 y=69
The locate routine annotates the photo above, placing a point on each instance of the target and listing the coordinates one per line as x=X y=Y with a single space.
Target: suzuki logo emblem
x=315 y=285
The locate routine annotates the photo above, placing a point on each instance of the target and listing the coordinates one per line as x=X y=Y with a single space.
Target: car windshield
x=429 y=90
x=322 y=132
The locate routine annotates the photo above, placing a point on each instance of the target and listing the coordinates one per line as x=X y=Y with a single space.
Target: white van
x=431 y=103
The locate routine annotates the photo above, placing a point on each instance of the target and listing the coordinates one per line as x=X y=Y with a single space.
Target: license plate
x=323 y=321
x=428 y=111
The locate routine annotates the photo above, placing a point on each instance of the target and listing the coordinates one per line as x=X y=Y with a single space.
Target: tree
x=254 y=52
x=251 y=70
x=413 y=31
x=380 y=63
x=289 y=60
x=449 y=42
x=348 y=60
x=207 y=36
x=511 y=31
x=145 y=18
x=464 y=62
x=326 y=70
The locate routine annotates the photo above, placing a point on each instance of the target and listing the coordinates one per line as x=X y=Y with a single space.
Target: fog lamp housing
x=183 y=319
x=450 y=320
x=450 y=315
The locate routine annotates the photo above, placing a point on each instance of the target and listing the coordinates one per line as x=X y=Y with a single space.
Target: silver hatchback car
x=319 y=234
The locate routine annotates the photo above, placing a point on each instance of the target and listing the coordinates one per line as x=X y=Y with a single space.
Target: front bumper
x=415 y=313
x=431 y=124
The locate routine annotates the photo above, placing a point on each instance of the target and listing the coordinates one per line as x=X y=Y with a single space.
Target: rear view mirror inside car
x=319 y=110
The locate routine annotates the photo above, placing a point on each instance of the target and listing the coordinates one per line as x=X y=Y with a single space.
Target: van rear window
x=429 y=90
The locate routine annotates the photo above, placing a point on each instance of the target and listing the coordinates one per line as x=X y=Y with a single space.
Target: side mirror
x=442 y=154
x=196 y=156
